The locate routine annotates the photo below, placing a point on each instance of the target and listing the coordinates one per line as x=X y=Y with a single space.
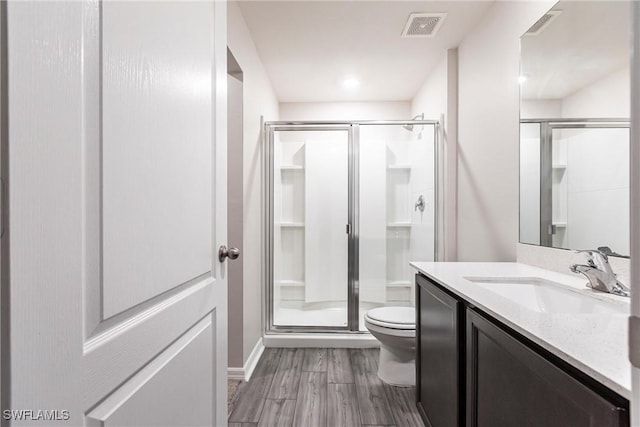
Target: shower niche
x=343 y=221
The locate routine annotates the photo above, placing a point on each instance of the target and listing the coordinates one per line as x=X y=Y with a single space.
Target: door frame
x=352 y=205
x=353 y=289
x=4 y=217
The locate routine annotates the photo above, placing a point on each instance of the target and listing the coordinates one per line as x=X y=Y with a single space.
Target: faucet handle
x=594 y=256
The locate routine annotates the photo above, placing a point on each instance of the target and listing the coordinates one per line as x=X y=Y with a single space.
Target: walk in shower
x=349 y=204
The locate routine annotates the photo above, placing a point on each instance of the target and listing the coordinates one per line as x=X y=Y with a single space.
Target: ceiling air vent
x=543 y=23
x=423 y=24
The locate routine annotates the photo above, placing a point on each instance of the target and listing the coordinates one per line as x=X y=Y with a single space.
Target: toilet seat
x=402 y=318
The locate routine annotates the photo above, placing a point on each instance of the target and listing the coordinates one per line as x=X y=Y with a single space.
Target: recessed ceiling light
x=350 y=82
x=522 y=79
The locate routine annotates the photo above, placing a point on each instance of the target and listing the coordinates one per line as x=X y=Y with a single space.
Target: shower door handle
x=231 y=253
x=348 y=229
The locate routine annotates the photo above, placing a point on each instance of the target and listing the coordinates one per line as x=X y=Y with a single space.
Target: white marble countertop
x=594 y=343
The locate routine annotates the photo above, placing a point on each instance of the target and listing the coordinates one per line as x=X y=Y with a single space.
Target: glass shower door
x=310 y=217
x=397 y=211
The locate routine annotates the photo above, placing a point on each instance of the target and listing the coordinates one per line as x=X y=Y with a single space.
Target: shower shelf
x=291 y=283
x=399 y=284
x=291 y=225
x=399 y=225
x=399 y=167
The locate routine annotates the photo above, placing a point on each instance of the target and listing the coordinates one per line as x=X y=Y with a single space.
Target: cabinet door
x=509 y=384
x=439 y=362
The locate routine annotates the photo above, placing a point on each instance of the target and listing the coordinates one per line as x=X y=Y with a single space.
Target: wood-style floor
x=319 y=387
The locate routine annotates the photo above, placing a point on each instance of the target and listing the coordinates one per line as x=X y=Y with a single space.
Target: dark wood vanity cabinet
x=439 y=328
x=510 y=384
x=473 y=371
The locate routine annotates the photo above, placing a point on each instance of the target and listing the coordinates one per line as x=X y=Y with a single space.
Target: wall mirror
x=574 y=128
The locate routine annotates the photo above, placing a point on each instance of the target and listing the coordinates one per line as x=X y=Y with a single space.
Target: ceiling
x=310 y=47
x=587 y=41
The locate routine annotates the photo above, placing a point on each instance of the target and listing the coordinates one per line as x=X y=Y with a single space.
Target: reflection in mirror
x=574 y=128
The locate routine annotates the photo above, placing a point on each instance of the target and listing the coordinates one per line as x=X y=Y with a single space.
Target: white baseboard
x=235 y=373
x=321 y=341
x=246 y=371
x=253 y=359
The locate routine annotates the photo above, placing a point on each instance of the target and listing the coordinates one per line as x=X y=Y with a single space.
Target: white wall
x=259 y=100
x=234 y=215
x=605 y=98
x=437 y=99
x=540 y=108
x=345 y=110
x=488 y=132
x=431 y=98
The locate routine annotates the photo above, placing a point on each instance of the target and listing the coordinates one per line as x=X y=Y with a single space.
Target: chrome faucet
x=599 y=273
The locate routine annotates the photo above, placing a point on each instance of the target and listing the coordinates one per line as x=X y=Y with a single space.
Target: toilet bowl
x=395 y=328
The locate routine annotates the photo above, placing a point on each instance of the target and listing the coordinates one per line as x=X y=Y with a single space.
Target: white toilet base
x=394 y=327
x=396 y=366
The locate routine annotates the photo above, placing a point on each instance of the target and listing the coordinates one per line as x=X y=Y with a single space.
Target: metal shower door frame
x=353 y=285
x=270 y=128
x=547 y=126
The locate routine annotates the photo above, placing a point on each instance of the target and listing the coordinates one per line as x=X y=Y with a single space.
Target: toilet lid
x=394 y=317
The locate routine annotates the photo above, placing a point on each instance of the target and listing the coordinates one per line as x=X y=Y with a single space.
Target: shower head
x=409 y=127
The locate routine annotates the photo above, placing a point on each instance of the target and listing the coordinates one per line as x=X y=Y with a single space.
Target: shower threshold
x=320 y=340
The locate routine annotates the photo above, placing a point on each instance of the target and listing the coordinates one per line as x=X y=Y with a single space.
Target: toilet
x=395 y=328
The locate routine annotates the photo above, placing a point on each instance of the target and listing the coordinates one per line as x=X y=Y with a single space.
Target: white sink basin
x=545 y=296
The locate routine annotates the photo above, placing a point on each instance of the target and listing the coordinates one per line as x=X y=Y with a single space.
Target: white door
x=117 y=199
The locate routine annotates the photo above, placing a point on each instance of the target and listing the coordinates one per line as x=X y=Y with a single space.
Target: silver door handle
x=231 y=253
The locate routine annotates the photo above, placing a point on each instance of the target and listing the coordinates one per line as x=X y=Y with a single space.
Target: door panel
x=156 y=147
x=118 y=191
x=439 y=389
x=110 y=357
x=136 y=402
x=326 y=214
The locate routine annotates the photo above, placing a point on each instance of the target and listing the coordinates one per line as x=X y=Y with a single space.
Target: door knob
x=420 y=203
x=231 y=253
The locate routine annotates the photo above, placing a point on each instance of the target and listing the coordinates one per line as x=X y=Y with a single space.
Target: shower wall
x=385 y=237
x=396 y=168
